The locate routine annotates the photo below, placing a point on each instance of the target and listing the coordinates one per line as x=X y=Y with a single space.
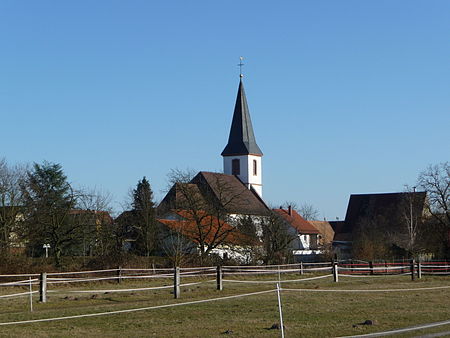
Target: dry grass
x=306 y=314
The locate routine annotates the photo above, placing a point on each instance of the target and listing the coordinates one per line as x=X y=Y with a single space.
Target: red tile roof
x=211 y=227
x=297 y=221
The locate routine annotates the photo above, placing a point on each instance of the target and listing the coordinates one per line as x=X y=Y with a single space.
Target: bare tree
x=308 y=211
x=276 y=239
x=370 y=239
x=435 y=180
x=205 y=206
x=176 y=246
x=10 y=202
x=93 y=215
x=411 y=218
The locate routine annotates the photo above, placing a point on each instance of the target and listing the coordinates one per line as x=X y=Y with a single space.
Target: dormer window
x=235 y=167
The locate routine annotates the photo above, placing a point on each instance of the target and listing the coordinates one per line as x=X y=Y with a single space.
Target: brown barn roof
x=383 y=205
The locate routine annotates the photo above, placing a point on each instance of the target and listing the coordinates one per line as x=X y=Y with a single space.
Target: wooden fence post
x=371 y=267
x=301 y=268
x=413 y=265
x=43 y=287
x=119 y=274
x=419 y=270
x=335 y=272
x=219 y=278
x=176 y=282
x=31 y=295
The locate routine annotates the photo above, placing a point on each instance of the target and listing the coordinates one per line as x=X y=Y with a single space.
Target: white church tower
x=242 y=156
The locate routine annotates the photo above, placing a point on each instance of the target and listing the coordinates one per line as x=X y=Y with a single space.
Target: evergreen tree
x=49 y=200
x=145 y=223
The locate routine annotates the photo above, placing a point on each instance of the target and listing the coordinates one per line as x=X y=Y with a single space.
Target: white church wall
x=257 y=220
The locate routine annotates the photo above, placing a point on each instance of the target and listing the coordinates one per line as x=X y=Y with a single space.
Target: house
x=381 y=215
x=183 y=232
x=305 y=244
x=11 y=218
x=91 y=224
x=326 y=232
x=223 y=191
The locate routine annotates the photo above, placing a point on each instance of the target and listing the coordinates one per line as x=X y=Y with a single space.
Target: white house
x=305 y=244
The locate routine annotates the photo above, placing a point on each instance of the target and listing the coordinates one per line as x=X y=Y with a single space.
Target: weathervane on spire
x=240 y=66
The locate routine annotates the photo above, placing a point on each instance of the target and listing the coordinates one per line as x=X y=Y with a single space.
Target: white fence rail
x=170 y=277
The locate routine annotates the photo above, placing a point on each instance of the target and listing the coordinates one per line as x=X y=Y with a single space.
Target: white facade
x=250 y=170
x=233 y=219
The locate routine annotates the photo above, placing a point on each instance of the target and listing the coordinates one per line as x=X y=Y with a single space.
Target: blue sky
x=345 y=96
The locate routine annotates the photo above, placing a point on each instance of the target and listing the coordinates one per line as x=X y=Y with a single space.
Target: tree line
x=38 y=206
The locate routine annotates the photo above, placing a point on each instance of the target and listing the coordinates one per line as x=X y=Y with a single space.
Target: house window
x=255 y=168
x=236 y=167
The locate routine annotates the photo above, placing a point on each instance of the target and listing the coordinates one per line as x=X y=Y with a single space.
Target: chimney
x=289 y=210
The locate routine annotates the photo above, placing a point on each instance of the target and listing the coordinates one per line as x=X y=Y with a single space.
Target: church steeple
x=242 y=138
x=242 y=156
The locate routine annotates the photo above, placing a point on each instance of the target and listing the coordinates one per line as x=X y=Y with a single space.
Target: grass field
x=306 y=313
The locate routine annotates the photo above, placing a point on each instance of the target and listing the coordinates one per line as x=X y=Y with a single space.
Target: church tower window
x=236 y=167
x=255 y=168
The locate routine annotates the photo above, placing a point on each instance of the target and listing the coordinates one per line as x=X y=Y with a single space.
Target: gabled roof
x=386 y=206
x=297 y=221
x=325 y=229
x=242 y=138
x=229 y=190
x=207 y=188
x=175 y=198
x=210 y=227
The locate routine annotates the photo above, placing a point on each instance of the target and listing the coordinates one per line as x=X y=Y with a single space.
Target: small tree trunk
x=58 y=256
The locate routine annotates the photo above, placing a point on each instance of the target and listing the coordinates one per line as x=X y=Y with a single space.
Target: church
x=214 y=205
x=212 y=210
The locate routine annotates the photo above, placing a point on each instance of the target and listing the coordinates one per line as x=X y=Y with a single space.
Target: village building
x=236 y=195
x=231 y=196
x=384 y=216
x=182 y=233
x=326 y=232
x=305 y=245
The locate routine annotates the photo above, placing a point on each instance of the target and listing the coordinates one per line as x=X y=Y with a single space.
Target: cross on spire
x=240 y=66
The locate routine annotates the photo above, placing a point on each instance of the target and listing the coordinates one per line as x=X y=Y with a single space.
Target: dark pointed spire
x=242 y=139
